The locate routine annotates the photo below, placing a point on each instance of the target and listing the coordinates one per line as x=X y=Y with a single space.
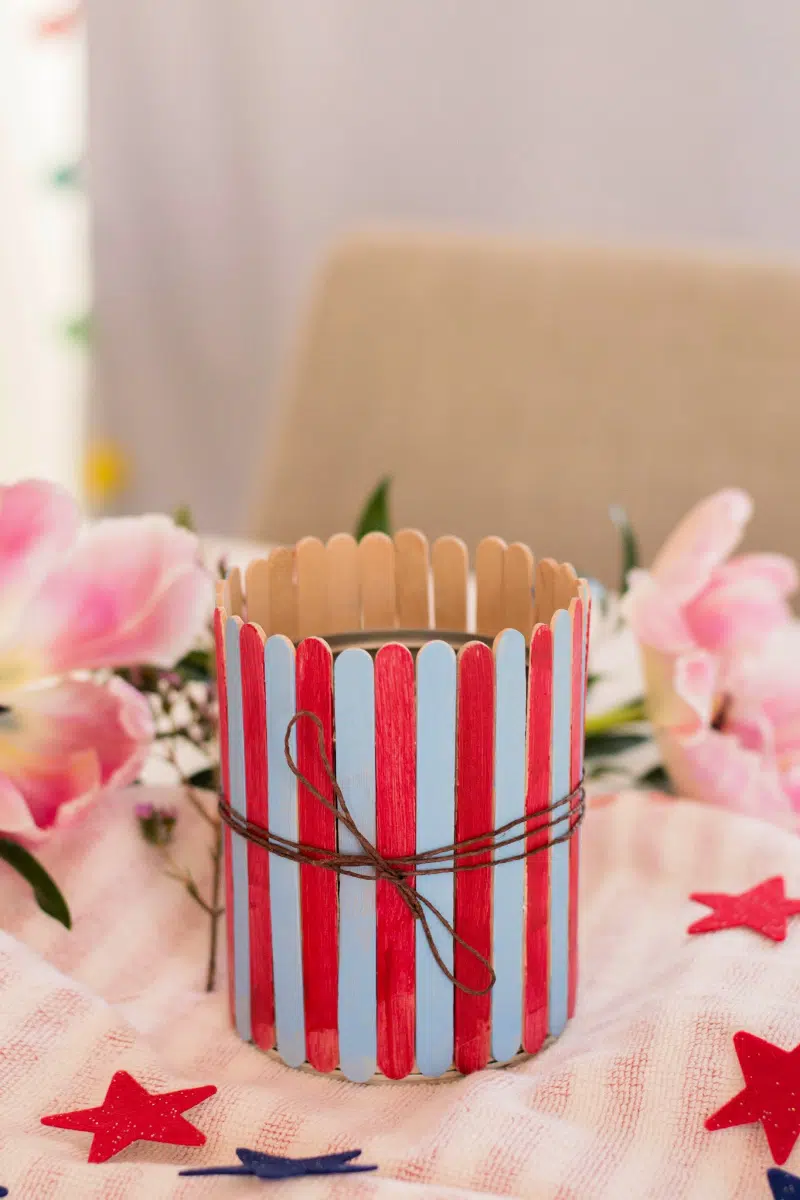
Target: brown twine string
x=450 y=859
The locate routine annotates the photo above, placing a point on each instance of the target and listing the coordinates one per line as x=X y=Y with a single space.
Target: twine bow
x=452 y=859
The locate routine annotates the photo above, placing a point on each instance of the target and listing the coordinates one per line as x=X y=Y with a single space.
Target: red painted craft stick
x=537 y=907
x=254 y=711
x=474 y=815
x=396 y=811
x=318 y=888
x=222 y=704
x=576 y=767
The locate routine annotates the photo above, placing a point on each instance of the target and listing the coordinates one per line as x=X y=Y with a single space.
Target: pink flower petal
x=714 y=768
x=132 y=592
x=703 y=539
x=743 y=601
x=768 y=678
x=791 y=785
x=655 y=616
x=15 y=816
x=695 y=680
x=38 y=524
x=72 y=741
x=750 y=728
x=786 y=741
x=775 y=569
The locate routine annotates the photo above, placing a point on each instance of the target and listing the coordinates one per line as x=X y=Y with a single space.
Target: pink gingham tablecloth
x=613 y=1110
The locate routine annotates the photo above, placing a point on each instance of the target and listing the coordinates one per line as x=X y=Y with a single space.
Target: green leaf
x=45 y=890
x=183 y=518
x=196 y=666
x=67 y=176
x=79 y=330
x=144 y=679
x=613 y=743
x=630 y=546
x=614 y=718
x=205 y=778
x=375 y=513
x=657 y=778
x=602 y=770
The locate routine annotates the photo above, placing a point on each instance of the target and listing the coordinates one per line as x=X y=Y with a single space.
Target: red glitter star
x=130 y=1113
x=764 y=908
x=771 y=1094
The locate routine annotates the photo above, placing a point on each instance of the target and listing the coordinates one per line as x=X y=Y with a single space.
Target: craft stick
x=344 y=603
x=586 y=601
x=312 y=588
x=258 y=587
x=354 y=706
x=238 y=802
x=585 y=593
x=318 y=888
x=490 y=576
x=518 y=589
x=510 y=777
x=561 y=626
x=376 y=571
x=222 y=704
x=395 y=755
x=450 y=563
x=282 y=592
x=262 y=998
x=473 y=908
x=566 y=585
x=279 y=671
x=436 y=772
x=235 y=596
x=537 y=866
x=221 y=594
x=545 y=590
x=412 y=570
x=575 y=771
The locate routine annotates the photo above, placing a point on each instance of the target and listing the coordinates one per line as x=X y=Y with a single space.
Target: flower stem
x=212 y=908
x=216 y=911
x=198 y=805
x=625 y=714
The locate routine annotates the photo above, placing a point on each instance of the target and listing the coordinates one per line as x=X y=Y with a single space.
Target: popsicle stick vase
x=446 y=709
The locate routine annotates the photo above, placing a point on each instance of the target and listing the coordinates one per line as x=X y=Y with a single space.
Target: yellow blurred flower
x=105 y=472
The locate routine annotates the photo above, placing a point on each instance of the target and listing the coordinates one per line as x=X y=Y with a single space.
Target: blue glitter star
x=273 y=1166
x=784 y=1186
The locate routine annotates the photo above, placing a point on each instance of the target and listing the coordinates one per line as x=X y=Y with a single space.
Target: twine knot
x=399 y=871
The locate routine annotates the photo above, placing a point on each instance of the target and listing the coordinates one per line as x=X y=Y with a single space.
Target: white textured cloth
x=613 y=1111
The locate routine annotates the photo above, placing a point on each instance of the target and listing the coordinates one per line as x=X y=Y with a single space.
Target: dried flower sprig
x=157 y=825
x=184 y=703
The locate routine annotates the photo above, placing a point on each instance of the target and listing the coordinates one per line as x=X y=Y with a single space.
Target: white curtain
x=232 y=140
x=44 y=278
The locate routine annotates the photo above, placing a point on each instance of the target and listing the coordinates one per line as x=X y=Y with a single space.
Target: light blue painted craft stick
x=559 y=788
x=284 y=877
x=238 y=802
x=436 y=811
x=354 y=711
x=510 y=778
x=586 y=596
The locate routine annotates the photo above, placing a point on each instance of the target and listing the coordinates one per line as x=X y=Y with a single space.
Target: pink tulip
x=117 y=593
x=721 y=656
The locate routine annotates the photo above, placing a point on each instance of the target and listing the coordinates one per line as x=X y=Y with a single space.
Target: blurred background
x=175 y=179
